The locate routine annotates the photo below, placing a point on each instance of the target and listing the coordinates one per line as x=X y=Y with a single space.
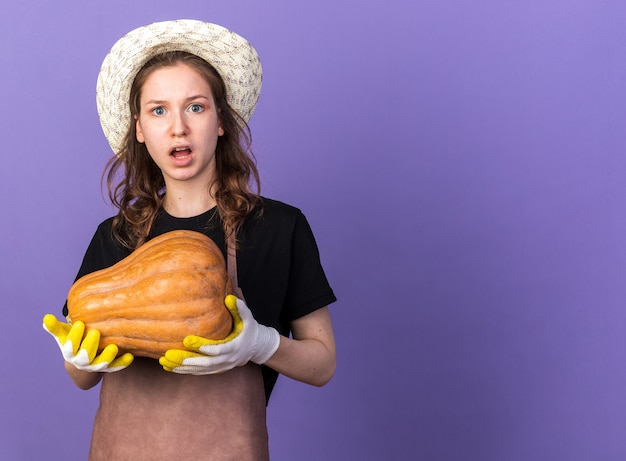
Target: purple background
x=462 y=165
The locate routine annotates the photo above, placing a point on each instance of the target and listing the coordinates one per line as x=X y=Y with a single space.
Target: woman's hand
x=310 y=356
x=81 y=350
x=248 y=342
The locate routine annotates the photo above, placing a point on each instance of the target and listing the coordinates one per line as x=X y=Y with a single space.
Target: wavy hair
x=136 y=186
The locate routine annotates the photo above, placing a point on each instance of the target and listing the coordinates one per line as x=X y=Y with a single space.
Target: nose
x=179 y=124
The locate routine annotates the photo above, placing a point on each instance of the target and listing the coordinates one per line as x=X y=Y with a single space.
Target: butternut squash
x=172 y=286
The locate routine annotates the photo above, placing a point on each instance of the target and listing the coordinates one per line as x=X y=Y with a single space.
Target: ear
x=220 y=128
x=139 y=131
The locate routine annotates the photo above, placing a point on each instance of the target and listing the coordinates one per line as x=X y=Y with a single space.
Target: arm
x=83 y=379
x=310 y=356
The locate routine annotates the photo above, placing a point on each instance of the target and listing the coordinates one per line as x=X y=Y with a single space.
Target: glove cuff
x=268 y=340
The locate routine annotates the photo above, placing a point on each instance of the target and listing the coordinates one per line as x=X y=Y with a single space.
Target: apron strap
x=231 y=264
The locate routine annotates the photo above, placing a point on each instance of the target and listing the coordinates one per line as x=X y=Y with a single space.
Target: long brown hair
x=136 y=186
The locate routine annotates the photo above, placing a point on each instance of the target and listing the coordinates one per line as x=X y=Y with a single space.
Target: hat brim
x=232 y=56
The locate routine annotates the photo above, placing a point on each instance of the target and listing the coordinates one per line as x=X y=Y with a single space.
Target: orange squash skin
x=172 y=286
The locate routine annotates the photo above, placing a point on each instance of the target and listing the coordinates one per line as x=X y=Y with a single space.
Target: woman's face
x=179 y=124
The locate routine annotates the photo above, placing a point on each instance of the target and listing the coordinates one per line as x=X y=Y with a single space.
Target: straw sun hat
x=234 y=58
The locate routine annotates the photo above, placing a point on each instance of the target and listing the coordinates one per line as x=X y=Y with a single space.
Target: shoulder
x=105 y=227
x=274 y=217
x=104 y=234
x=276 y=208
x=103 y=250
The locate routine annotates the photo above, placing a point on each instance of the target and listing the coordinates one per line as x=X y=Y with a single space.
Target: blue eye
x=196 y=108
x=158 y=111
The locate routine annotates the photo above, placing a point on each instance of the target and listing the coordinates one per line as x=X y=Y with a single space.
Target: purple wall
x=463 y=167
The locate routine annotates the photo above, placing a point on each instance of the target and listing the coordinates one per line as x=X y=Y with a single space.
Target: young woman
x=174 y=99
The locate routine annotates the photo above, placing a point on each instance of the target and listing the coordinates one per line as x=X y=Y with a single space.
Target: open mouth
x=180 y=152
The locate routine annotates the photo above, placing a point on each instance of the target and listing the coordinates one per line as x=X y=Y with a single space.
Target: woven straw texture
x=233 y=57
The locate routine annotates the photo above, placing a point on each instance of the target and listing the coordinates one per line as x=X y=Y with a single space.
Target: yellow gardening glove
x=248 y=342
x=81 y=350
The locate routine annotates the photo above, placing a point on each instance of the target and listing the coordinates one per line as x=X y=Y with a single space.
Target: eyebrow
x=190 y=98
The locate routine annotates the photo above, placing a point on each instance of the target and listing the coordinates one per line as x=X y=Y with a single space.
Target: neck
x=185 y=202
